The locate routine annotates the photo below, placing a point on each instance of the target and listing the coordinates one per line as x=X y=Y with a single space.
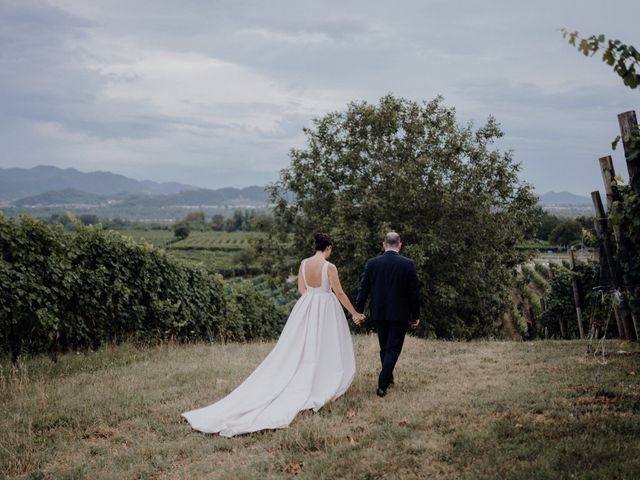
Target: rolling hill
x=563 y=198
x=17 y=183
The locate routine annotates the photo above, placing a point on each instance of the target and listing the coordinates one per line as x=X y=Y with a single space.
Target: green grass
x=206 y=240
x=159 y=238
x=458 y=410
x=214 y=250
x=221 y=262
x=212 y=241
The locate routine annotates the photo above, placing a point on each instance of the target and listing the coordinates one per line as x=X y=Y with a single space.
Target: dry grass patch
x=458 y=410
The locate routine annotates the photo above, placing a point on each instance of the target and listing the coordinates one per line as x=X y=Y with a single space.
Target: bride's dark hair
x=322 y=241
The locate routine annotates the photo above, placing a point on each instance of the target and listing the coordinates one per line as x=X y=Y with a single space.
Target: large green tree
x=455 y=199
x=566 y=232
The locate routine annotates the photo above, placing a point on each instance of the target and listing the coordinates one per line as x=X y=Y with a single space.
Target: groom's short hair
x=392 y=239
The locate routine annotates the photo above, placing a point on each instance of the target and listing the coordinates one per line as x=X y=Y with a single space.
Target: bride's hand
x=358 y=318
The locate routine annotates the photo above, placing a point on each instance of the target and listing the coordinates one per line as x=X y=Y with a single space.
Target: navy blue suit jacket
x=392 y=283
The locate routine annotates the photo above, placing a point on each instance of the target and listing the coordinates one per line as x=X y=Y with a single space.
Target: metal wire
x=593 y=333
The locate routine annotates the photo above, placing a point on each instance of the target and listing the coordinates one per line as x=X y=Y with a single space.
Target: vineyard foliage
x=560 y=305
x=76 y=290
x=626 y=214
x=230 y=254
x=625 y=211
x=546 y=299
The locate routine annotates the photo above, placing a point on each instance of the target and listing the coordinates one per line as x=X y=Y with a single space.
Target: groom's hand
x=358 y=318
x=414 y=324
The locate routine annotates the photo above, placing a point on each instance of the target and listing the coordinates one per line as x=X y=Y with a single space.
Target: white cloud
x=207 y=91
x=299 y=37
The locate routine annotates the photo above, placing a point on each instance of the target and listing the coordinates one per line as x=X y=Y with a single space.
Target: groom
x=392 y=282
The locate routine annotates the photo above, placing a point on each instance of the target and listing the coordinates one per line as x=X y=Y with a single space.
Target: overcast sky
x=215 y=93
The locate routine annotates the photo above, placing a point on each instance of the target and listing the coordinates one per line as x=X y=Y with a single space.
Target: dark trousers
x=391 y=337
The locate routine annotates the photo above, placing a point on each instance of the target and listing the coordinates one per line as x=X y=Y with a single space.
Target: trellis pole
x=577 y=297
x=602 y=230
x=628 y=123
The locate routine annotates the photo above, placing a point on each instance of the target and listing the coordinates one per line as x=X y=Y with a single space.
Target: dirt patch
x=100 y=432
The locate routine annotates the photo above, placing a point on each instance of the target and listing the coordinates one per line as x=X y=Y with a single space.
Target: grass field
x=206 y=240
x=226 y=241
x=159 y=238
x=458 y=410
x=216 y=251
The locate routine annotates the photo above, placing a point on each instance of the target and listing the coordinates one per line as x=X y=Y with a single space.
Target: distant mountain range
x=563 y=198
x=230 y=197
x=249 y=196
x=43 y=190
x=53 y=187
x=66 y=196
x=18 y=183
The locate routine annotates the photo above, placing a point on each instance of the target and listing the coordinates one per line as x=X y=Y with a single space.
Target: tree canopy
x=566 y=232
x=456 y=201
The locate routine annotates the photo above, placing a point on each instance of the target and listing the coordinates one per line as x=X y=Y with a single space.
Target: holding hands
x=358 y=318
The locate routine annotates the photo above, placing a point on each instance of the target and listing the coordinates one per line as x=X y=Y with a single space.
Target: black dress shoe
x=380 y=392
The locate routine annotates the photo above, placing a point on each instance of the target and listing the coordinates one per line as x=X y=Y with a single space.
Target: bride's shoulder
x=305 y=260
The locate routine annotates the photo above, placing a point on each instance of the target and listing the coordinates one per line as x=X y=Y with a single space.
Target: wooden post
x=602 y=231
x=577 y=298
x=543 y=307
x=608 y=174
x=533 y=331
x=628 y=122
x=629 y=128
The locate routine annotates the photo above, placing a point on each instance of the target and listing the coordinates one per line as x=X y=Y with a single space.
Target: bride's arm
x=334 y=281
x=301 y=287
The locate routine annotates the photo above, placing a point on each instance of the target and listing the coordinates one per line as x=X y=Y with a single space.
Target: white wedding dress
x=312 y=364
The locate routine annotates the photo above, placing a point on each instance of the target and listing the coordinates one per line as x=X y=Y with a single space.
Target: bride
x=312 y=363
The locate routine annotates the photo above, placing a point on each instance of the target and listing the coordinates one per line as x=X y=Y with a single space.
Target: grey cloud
x=44 y=78
x=502 y=58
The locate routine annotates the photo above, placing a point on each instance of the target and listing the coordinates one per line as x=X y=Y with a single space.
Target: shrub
x=542 y=270
x=64 y=291
x=181 y=231
x=534 y=277
x=519 y=320
x=566 y=233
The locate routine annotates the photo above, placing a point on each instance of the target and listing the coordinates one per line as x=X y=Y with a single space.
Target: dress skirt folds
x=311 y=364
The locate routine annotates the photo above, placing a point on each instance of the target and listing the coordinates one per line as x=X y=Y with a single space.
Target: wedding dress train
x=311 y=364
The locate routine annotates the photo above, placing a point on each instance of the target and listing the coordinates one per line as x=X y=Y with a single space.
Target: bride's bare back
x=313 y=270
x=310 y=275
